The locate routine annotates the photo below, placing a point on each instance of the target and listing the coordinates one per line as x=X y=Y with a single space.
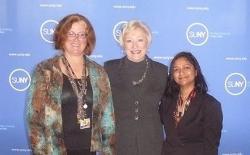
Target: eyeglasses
x=80 y=36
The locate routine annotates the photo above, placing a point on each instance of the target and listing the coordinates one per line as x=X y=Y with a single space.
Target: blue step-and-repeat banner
x=216 y=32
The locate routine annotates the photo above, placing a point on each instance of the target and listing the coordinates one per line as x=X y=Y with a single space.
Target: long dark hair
x=200 y=83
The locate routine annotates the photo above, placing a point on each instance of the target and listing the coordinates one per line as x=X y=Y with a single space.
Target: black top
x=138 y=127
x=199 y=130
x=134 y=70
x=74 y=137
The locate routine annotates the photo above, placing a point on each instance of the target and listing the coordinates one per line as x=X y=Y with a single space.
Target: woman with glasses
x=191 y=117
x=70 y=108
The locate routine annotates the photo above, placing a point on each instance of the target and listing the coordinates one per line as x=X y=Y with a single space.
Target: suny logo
x=197 y=34
x=47 y=30
x=19 y=79
x=118 y=29
x=235 y=83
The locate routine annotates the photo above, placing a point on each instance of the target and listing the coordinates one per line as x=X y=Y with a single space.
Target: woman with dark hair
x=70 y=107
x=191 y=117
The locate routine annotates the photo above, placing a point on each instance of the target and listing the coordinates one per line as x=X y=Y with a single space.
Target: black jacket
x=199 y=130
x=145 y=135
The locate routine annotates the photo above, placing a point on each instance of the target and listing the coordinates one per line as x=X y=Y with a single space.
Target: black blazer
x=199 y=130
x=145 y=135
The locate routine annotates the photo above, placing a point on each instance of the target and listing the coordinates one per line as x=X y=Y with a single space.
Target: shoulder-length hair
x=60 y=34
x=200 y=83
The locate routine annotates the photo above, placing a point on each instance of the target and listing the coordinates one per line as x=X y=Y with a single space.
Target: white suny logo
x=19 y=79
x=117 y=30
x=197 y=34
x=47 y=30
x=235 y=84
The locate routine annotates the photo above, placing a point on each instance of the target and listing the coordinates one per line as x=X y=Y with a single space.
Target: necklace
x=135 y=83
x=182 y=106
x=80 y=92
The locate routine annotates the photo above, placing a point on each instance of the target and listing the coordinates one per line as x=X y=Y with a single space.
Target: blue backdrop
x=216 y=32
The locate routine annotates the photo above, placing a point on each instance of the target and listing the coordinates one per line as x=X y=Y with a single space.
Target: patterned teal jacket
x=44 y=109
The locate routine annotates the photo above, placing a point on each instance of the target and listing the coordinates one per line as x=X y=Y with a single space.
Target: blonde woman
x=137 y=84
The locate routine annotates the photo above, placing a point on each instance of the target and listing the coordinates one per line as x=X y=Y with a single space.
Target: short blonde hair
x=132 y=25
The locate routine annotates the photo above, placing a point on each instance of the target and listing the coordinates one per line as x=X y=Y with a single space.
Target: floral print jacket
x=44 y=109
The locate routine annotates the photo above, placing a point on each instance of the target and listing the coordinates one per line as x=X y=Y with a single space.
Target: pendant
x=134 y=83
x=85 y=106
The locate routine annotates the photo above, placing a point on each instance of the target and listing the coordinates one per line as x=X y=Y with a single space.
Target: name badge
x=85 y=123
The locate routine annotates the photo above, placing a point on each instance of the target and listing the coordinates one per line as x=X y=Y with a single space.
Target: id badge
x=85 y=123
